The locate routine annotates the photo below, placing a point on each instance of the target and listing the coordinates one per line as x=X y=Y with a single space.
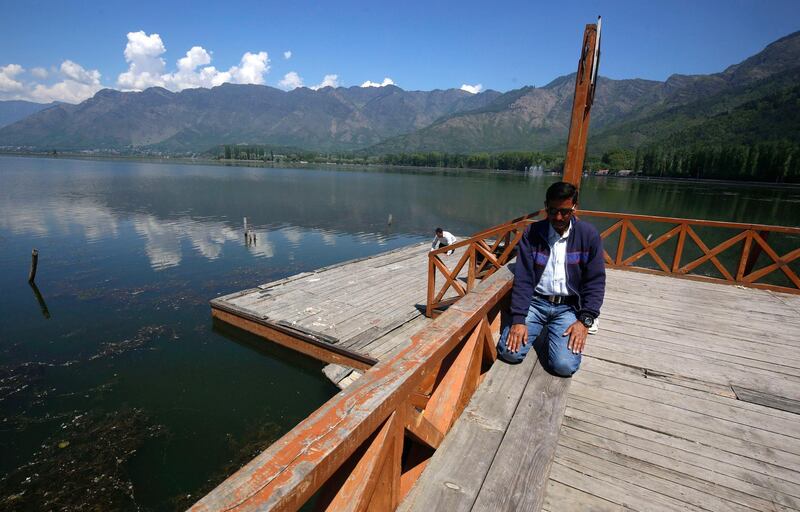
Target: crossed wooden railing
x=489 y=250
x=365 y=448
x=482 y=255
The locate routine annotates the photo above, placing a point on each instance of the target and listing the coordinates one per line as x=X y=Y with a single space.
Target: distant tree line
x=777 y=162
x=511 y=161
x=765 y=161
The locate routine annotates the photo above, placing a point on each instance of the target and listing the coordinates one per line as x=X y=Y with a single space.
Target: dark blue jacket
x=586 y=270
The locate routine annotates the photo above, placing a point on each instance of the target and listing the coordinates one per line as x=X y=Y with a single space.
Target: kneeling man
x=559 y=284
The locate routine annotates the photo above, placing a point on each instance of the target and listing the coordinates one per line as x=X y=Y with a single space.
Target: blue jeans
x=557 y=318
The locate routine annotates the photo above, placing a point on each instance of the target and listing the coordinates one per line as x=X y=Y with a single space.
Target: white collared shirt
x=554 y=276
x=446 y=237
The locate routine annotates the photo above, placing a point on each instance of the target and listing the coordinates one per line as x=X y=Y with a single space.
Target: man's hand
x=517 y=336
x=577 y=337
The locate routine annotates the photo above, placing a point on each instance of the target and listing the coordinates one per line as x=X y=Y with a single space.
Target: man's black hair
x=439 y=230
x=561 y=190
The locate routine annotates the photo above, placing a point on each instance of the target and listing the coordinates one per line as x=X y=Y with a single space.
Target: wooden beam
x=297 y=342
x=357 y=492
x=421 y=429
x=581 y=107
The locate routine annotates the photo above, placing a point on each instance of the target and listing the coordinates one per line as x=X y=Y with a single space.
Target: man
x=442 y=239
x=559 y=284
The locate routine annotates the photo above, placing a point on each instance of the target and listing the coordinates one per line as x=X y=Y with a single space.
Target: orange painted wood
x=649 y=248
x=471 y=268
x=450 y=280
x=356 y=493
x=740 y=272
x=431 y=286
x=415 y=463
x=461 y=378
x=489 y=342
x=419 y=400
x=581 y=107
x=621 y=244
x=779 y=263
x=711 y=254
x=676 y=259
x=326 y=353
x=422 y=429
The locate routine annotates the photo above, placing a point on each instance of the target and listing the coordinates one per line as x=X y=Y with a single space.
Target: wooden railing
x=741 y=246
x=482 y=255
x=365 y=448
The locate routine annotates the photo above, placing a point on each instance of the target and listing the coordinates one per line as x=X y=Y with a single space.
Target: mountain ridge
x=382 y=120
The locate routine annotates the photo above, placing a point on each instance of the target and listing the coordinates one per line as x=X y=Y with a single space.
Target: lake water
x=123 y=393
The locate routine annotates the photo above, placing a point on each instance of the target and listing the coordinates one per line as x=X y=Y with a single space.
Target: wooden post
x=34 y=264
x=585 y=83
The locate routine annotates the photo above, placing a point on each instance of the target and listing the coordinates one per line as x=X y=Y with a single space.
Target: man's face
x=559 y=213
x=440 y=233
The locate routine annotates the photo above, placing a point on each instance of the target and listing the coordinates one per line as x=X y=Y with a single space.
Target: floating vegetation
x=82 y=467
x=143 y=337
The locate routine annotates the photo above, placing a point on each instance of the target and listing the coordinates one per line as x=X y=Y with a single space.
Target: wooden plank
x=310 y=347
x=670 y=444
x=456 y=471
x=629 y=496
x=661 y=479
x=694 y=433
x=781 y=403
x=677 y=410
x=728 y=480
x=702 y=399
x=518 y=477
x=561 y=497
x=357 y=491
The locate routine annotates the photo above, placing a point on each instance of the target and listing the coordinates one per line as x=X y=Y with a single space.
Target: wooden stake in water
x=390 y=220
x=34 y=264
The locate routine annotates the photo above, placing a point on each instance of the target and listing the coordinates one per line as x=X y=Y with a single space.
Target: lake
x=123 y=393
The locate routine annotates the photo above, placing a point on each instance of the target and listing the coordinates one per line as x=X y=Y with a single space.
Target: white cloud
x=188 y=76
x=328 y=81
x=291 y=80
x=386 y=81
x=472 y=89
x=39 y=73
x=75 y=72
x=8 y=81
x=252 y=68
x=287 y=54
x=145 y=65
x=144 y=53
x=75 y=85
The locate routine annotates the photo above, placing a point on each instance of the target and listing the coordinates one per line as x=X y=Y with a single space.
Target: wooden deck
x=351 y=315
x=687 y=399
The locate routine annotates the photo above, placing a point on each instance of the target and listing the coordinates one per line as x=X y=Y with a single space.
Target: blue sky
x=418 y=45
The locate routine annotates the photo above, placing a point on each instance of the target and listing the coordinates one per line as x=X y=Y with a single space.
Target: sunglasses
x=565 y=212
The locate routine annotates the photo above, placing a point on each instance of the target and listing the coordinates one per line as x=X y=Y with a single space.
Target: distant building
x=624 y=172
x=601 y=172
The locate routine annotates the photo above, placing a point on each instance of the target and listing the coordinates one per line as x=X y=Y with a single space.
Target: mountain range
x=14 y=110
x=627 y=113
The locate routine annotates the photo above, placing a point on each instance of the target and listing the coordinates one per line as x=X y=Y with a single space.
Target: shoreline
x=373 y=166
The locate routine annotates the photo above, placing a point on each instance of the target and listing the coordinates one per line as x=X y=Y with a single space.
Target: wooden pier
x=350 y=315
x=687 y=399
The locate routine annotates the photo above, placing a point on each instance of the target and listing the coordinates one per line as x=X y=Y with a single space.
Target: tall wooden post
x=585 y=83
